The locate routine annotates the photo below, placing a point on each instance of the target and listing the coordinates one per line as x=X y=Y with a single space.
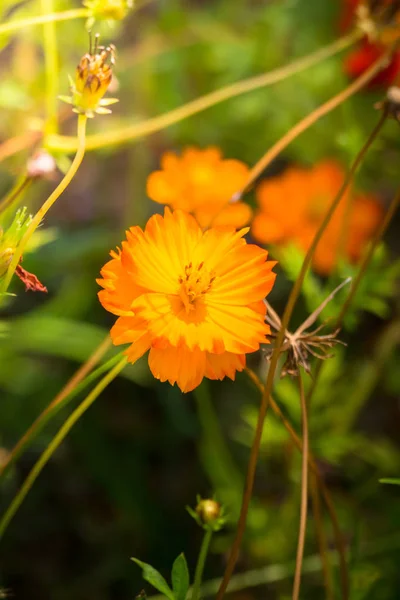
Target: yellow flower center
x=194 y=284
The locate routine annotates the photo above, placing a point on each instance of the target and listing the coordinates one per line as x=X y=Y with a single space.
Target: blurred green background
x=119 y=484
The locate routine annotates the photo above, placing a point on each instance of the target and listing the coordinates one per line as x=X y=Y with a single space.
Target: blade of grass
x=55 y=443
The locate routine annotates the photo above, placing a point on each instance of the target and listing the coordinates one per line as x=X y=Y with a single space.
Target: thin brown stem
x=321 y=538
x=304 y=493
x=312 y=118
x=380 y=232
x=339 y=540
x=274 y=362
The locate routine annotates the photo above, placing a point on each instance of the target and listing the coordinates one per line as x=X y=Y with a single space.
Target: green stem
x=50 y=412
x=51 y=68
x=214 y=447
x=20 y=186
x=37 y=219
x=55 y=443
x=67 y=15
x=140 y=130
x=198 y=576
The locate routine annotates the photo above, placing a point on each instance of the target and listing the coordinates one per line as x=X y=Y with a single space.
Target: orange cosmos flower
x=193 y=298
x=293 y=205
x=203 y=183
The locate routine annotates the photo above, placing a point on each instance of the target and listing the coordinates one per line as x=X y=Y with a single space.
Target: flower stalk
x=37 y=219
x=198 y=577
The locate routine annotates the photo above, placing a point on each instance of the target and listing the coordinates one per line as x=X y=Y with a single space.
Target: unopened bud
x=209 y=511
x=6 y=255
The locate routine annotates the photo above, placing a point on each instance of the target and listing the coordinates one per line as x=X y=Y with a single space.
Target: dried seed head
x=299 y=345
x=379 y=20
x=391 y=103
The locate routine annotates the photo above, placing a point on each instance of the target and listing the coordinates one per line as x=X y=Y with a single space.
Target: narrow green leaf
x=155 y=578
x=180 y=577
x=394 y=481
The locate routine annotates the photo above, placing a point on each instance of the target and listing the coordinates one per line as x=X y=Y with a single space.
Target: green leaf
x=393 y=480
x=180 y=577
x=155 y=578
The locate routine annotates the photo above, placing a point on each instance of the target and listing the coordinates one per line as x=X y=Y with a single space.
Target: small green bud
x=208 y=513
x=6 y=255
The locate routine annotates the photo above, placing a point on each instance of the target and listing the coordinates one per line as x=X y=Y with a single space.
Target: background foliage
x=119 y=484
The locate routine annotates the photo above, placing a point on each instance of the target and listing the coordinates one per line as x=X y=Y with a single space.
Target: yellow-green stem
x=51 y=68
x=20 y=186
x=139 y=130
x=198 y=576
x=67 y=15
x=312 y=118
x=79 y=381
x=37 y=219
x=55 y=443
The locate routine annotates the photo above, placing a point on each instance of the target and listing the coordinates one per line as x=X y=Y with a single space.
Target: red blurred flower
x=369 y=51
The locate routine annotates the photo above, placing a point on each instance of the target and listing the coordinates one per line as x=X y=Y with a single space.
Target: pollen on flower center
x=194 y=283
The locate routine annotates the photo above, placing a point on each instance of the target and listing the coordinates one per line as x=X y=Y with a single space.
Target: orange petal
x=167 y=319
x=266 y=230
x=163 y=250
x=234 y=215
x=178 y=365
x=223 y=365
x=243 y=276
x=138 y=348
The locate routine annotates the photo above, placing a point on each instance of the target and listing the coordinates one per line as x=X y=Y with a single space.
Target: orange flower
x=293 y=205
x=202 y=183
x=194 y=299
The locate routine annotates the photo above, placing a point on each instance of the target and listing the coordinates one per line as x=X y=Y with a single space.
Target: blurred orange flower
x=193 y=298
x=293 y=205
x=201 y=182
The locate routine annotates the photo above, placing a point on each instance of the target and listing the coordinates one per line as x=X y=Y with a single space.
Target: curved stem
x=21 y=185
x=56 y=441
x=198 y=576
x=48 y=203
x=51 y=67
x=312 y=118
x=304 y=493
x=66 y=15
x=78 y=381
x=139 y=130
x=380 y=232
